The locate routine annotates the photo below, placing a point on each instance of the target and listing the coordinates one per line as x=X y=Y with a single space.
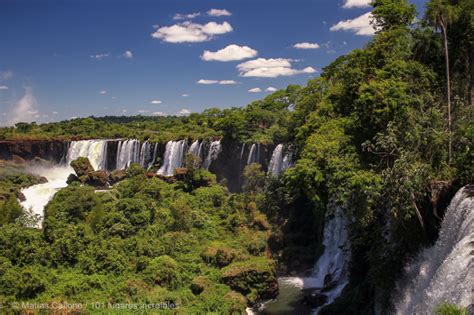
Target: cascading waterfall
x=331 y=269
x=254 y=154
x=194 y=148
x=128 y=152
x=279 y=162
x=37 y=196
x=155 y=152
x=443 y=272
x=214 y=149
x=173 y=157
x=94 y=150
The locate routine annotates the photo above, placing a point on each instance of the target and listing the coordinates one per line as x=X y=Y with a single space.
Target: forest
x=374 y=135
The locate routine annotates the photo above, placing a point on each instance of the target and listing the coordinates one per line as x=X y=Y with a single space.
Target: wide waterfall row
x=145 y=153
x=443 y=273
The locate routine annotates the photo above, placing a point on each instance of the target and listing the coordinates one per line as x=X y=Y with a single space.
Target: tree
x=442 y=14
x=389 y=14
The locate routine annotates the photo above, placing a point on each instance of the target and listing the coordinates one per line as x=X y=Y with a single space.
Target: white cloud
x=184 y=95
x=143 y=111
x=356 y=3
x=270 y=68
x=184 y=112
x=103 y=92
x=271 y=89
x=204 y=81
x=207 y=82
x=25 y=109
x=219 y=12
x=5 y=75
x=3 y=87
x=124 y=111
x=100 y=56
x=255 y=90
x=227 y=82
x=229 y=53
x=188 y=32
x=360 y=25
x=158 y=114
x=127 y=54
x=179 y=16
x=306 y=45
x=55 y=113
x=155 y=102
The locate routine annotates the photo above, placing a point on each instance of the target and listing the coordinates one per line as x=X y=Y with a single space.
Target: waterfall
x=279 y=162
x=145 y=154
x=37 y=196
x=332 y=266
x=443 y=272
x=194 y=148
x=94 y=150
x=173 y=157
x=155 y=152
x=254 y=154
x=128 y=152
x=214 y=150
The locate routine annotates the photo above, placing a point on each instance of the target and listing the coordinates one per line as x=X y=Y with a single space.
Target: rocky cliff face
x=51 y=150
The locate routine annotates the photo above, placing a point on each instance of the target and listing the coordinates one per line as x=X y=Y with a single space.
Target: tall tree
x=441 y=13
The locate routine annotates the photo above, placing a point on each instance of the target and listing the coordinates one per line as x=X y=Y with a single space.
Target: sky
x=76 y=58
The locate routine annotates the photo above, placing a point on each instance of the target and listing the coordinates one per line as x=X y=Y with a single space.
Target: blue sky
x=63 y=59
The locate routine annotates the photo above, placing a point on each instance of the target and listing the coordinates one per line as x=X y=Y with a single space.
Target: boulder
x=82 y=166
x=72 y=178
x=315 y=299
x=117 y=175
x=97 y=179
x=254 y=278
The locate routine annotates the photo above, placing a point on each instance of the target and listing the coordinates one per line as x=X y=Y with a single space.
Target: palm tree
x=442 y=14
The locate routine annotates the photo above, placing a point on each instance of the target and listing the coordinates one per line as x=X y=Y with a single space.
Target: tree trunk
x=448 y=91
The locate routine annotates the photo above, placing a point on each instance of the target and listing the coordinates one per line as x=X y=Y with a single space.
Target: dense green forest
x=372 y=134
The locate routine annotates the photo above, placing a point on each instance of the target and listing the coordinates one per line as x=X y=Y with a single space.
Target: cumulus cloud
x=207 y=82
x=100 y=56
x=271 y=89
x=25 y=110
x=219 y=12
x=158 y=114
x=360 y=25
x=184 y=95
x=3 y=87
x=255 y=90
x=127 y=54
x=6 y=75
x=155 y=102
x=55 y=113
x=229 y=53
x=184 y=112
x=356 y=3
x=306 y=45
x=270 y=68
x=188 y=32
x=143 y=111
x=103 y=92
x=179 y=16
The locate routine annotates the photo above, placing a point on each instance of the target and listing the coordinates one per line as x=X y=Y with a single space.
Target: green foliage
x=450 y=309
